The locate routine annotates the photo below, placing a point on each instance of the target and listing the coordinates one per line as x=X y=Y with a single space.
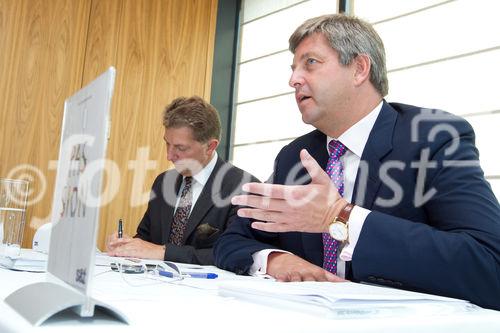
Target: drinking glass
x=13 y=201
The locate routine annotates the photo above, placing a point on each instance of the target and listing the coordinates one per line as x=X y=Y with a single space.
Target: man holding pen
x=190 y=205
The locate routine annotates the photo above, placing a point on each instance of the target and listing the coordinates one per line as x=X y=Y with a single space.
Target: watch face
x=338 y=231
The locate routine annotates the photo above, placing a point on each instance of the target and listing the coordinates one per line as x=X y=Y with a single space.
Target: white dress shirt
x=198 y=182
x=354 y=139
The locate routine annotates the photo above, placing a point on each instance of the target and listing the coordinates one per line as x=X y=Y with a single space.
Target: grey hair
x=350 y=37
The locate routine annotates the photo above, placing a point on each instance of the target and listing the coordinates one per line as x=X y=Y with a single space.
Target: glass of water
x=13 y=201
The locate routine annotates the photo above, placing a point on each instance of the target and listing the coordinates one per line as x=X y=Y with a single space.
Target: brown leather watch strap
x=345 y=213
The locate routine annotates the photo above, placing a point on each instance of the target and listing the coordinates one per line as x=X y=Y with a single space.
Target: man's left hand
x=137 y=248
x=283 y=208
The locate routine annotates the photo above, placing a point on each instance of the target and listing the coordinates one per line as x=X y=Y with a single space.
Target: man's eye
x=311 y=61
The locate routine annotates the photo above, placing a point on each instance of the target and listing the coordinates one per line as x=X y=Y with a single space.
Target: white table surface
x=195 y=306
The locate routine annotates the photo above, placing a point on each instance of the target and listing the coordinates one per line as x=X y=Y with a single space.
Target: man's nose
x=295 y=79
x=170 y=155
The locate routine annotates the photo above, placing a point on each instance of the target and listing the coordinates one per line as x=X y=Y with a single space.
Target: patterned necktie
x=181 y=215
x=334 y=169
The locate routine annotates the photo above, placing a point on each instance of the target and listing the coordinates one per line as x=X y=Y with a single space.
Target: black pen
x=120 y=228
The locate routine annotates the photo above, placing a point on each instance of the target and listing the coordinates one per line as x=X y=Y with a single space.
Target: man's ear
x=362 y=66
x=212 y=145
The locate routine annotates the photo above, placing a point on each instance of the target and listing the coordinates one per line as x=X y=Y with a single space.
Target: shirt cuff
x=259 y=266
x=356 y=221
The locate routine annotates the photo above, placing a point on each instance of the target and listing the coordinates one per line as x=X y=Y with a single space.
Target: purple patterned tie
x=181 y=215
x=334 y=169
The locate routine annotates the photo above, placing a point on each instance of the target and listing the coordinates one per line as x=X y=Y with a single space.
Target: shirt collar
x=202 y=176
x=356 y=136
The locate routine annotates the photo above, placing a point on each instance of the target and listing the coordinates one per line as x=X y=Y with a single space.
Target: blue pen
x=201 y=275
x=192 y=275
x=165 y=273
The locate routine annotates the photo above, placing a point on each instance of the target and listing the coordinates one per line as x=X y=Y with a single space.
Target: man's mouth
x=301 y=98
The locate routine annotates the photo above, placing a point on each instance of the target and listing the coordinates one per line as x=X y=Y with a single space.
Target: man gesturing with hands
x=380 y=192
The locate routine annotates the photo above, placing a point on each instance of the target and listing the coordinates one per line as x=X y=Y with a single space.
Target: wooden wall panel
x=161 y=50
x=49 y=49
x=41 y=63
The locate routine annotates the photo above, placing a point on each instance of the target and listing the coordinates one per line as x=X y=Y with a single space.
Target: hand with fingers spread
x=283 y=208
x=287 y=267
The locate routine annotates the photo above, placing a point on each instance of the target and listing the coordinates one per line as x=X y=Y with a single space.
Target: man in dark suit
x=403 y=201
x=190 y=205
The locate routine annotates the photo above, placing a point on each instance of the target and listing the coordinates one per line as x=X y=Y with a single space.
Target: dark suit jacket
x=210 y=216
x=447 y=244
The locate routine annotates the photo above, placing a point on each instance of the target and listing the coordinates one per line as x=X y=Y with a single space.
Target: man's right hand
x=112 y=241
x=287 y=267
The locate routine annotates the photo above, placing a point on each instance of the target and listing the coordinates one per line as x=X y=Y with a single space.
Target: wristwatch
x=339 y=228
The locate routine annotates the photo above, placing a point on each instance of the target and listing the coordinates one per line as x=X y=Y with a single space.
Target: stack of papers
x=28 y=260
x=340 y=299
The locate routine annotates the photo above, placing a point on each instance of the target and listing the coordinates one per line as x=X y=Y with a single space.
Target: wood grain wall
x=51 y=48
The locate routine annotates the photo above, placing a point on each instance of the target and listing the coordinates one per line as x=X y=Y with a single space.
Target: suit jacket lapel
x=379 y=144
x=168 y=203
x=319 y=151
x=204 y=202
x=312 y=242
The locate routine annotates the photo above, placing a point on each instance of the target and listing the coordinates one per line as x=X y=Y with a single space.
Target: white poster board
x=75 y=209
x=75 y=206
